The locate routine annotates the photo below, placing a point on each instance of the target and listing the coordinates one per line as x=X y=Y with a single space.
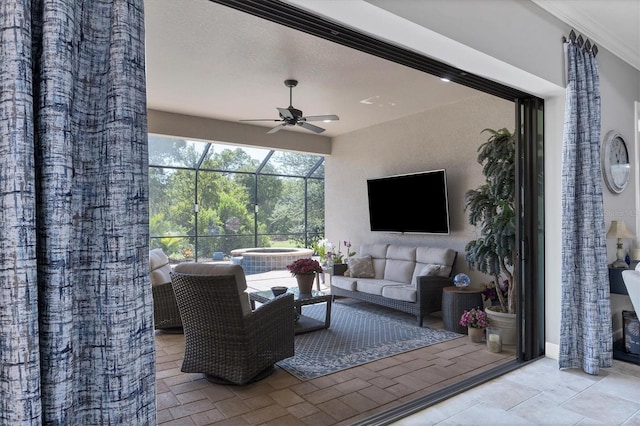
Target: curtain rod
x=586 y=45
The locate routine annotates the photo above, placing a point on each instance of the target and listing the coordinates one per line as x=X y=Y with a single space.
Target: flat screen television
x=415 y=203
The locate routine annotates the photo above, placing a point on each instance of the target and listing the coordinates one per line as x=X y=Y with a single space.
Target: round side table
x=454 y=302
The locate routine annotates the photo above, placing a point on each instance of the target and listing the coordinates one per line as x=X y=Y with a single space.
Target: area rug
x=359 y=333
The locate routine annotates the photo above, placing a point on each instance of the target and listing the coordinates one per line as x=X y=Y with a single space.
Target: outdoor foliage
x=226 y=195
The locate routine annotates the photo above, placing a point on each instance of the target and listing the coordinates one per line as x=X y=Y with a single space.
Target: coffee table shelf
x=304 y=323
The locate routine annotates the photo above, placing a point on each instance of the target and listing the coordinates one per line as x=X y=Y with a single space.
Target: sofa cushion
x=401 y=253
x=438 y=256
x=400 y=292
x=378 y=253
x=195 y=268
x=400 y=271
x=345 y=283
x=430 y=269
x=360 y=267
x=373 y=286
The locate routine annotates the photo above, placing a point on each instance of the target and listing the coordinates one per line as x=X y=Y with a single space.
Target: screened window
x=207 y=199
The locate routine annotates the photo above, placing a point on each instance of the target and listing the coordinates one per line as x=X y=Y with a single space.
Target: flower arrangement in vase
x=337 y=256
x=476 y=321
x=305 y=271
x=320 y=248
x=305 y=266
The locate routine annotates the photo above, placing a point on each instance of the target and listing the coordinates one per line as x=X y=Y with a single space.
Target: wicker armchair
x=166 y=315
x=224 y=338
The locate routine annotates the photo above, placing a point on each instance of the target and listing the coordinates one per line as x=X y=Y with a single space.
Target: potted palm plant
x=491 y=209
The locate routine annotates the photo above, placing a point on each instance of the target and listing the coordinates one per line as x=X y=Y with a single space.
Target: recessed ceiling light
x=369 y=101
x=327 y=121
x=445 y=79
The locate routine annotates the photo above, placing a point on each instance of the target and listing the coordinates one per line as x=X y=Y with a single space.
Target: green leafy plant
x=491 y=209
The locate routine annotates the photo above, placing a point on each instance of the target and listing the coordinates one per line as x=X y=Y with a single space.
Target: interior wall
x=518 y=44
x=443 y=138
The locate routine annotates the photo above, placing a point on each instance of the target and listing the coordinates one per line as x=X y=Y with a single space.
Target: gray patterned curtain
x=76 y=323
x=585 y=330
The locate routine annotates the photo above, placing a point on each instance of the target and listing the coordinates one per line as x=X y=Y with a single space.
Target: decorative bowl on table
x=277 y=291
x=461 y=281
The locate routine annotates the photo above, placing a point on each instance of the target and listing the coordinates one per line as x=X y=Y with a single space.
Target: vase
x=305 y=282
x=339 y=268
x=475 y=334
x=505 y=322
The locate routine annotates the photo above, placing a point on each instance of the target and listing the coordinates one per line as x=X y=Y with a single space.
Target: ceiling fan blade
x=285 y=113
x=262 y=119
x=311 y=127
x=322 y=118
x=275 y=129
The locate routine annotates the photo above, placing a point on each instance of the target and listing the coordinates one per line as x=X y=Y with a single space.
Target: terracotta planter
x=505 y=322
x=305 y=283
x=475 y=334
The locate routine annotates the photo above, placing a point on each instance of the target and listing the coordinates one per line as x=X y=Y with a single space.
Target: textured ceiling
x=208 y=60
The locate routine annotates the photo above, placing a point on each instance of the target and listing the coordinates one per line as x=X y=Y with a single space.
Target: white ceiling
x=208 y=60
x=611 y=24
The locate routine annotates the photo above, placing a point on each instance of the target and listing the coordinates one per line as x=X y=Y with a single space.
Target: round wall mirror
x=616 y=167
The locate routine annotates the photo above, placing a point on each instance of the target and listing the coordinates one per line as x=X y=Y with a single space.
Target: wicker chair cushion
x=157 y=258
x=195 y=268
x=159 y=268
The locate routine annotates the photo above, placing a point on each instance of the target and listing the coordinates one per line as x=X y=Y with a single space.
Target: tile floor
x=541 y=394
x=336 y=399
x=536 y=394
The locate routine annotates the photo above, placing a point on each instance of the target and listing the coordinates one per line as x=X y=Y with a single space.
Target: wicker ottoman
x=454 y=302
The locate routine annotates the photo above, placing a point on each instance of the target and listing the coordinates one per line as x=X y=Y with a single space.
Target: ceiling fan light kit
x=292 y=116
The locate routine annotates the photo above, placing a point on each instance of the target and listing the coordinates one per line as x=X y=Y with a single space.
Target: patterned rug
x=359 y=333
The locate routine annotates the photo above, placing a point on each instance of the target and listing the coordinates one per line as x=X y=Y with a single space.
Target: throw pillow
x=430 y=270
x=361 y=267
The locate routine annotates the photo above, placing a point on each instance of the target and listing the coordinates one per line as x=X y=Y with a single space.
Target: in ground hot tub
x=265 y=259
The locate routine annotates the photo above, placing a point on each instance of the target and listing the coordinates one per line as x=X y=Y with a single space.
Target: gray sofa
x=406 y=278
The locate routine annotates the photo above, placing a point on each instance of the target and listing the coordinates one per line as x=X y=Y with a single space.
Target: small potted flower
x=476 y=321
x=305 y=271
x=336 y=258
x=320 y=248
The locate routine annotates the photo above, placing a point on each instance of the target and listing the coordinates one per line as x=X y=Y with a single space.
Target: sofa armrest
x=430 y=291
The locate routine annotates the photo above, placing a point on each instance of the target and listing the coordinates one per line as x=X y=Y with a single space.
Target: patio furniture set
x=233 y=341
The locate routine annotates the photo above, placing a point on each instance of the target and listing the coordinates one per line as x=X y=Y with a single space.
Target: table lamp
x=618 y=229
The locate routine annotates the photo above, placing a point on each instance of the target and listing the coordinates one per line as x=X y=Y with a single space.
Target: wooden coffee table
x=304 y=323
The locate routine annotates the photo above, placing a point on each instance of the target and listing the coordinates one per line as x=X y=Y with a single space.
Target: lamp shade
x=618 y=229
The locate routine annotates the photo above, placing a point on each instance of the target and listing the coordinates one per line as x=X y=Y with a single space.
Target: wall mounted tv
x=415 y=202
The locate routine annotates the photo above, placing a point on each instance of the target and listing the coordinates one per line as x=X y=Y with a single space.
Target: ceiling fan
x=292 y=116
